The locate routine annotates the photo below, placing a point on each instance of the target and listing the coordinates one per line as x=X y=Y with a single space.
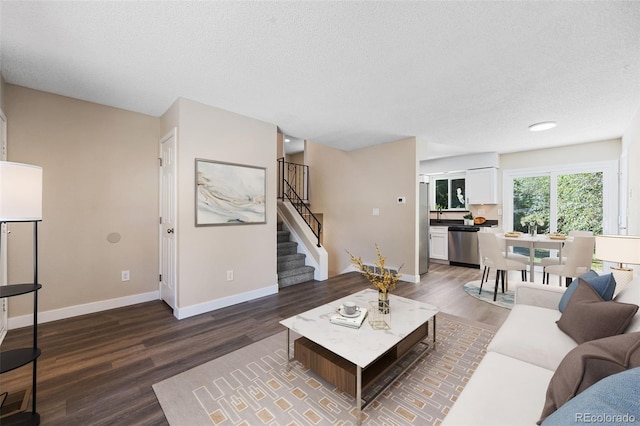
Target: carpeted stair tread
x=289 y=257
x=291 y=266
x=296 y=271
x=283 y=236
x=288 y=247
x=290 y=261
x=295 y=279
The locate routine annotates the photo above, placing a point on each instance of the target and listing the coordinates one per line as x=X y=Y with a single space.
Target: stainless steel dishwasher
x=463 y=246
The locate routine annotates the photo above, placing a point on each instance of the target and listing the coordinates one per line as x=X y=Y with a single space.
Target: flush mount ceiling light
x=545 y=125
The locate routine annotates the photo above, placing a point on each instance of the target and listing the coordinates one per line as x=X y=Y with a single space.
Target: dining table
x=532 y=242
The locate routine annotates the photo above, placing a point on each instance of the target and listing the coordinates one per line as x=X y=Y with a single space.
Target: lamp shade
x=618 y=248
x=20 y=192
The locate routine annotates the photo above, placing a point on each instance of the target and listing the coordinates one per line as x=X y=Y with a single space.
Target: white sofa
x=509 y=386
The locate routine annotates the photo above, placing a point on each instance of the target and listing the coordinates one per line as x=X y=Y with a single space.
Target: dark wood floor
x=98 y=369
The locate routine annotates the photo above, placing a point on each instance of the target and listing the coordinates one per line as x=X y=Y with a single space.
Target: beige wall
x=206 y=253
x=280 y=145
x=346 y=186
x=100 y=176
x=631 y=140
x=171 y=119
x=297 y=158
x=2 y=90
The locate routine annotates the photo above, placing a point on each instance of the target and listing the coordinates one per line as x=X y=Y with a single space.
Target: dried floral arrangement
x=383 y=279
x=532 y=219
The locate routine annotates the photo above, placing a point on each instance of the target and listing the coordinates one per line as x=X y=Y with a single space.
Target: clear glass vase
x=383 y=302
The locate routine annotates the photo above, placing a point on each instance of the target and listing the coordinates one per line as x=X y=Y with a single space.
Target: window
x=564 y=198
x=450 y=193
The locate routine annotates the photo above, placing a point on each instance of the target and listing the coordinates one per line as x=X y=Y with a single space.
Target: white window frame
x=448 y=177
x=610 y=186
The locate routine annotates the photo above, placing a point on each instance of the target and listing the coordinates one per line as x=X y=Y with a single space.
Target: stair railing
x=299 y=173
x=304 y=211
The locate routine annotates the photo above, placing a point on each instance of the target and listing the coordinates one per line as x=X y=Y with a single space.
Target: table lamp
x=620 y=249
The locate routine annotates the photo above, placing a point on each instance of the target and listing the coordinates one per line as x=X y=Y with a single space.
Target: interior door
x=168 y=276
x=3 y=234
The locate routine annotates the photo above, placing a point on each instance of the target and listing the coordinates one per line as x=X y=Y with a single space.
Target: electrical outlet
x=480 y=212
x=230 y=275
x=125 y=275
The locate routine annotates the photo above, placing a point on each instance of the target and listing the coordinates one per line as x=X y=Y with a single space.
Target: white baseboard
x=404 y=277
x=212 y=305
x=104 y=305
x=88 y=308
x=410 y=278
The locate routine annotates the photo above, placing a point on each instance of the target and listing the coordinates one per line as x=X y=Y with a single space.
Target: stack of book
x=353 y=322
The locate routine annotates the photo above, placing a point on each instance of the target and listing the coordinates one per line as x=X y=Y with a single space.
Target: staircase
x=291 y=264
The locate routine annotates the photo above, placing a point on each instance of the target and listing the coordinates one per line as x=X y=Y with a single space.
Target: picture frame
x=229 y=193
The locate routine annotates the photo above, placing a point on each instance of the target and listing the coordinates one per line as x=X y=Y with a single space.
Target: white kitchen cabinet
x=482 y=186
x=439 y=247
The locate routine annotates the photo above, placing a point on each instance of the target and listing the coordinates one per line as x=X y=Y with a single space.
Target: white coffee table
x=340 y=354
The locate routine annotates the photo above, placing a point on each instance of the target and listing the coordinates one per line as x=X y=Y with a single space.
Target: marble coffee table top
x=364 y=345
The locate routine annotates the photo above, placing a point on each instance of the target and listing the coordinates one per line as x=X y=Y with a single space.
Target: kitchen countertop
x=460 y=222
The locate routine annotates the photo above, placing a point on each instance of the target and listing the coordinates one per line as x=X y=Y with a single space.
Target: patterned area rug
x=252 y=386
x=504 y=300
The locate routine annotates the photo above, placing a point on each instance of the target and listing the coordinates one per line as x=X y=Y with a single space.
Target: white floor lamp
x=21 y=201
x=621 y=249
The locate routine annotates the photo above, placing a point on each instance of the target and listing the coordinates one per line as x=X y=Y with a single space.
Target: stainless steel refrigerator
x=423 y=225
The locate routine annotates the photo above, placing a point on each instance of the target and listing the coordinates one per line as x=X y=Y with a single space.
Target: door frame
x=4 y=317
x=173 y=133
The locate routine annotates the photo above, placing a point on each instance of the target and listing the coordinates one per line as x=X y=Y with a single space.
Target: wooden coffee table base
x=344 y=374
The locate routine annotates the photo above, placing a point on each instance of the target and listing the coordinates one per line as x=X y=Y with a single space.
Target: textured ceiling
x=460 y=76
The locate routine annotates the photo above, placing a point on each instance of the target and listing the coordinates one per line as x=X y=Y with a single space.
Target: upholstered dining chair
x=548 y=261
x=578 y=260
x=513 y=256
x=490 y=251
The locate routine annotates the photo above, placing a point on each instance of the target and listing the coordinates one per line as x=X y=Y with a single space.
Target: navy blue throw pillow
x=605 y=285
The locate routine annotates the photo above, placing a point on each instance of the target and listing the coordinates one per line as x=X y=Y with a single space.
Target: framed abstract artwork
x=230 y=194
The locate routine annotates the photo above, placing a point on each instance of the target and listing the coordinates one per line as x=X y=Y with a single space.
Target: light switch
x=376 y=211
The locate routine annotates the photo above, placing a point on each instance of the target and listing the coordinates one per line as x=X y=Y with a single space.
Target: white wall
x=631 y=141
x=205 y=254
x=578 y=153
x=608 y=150
x=459 y=163
x=540 y=158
